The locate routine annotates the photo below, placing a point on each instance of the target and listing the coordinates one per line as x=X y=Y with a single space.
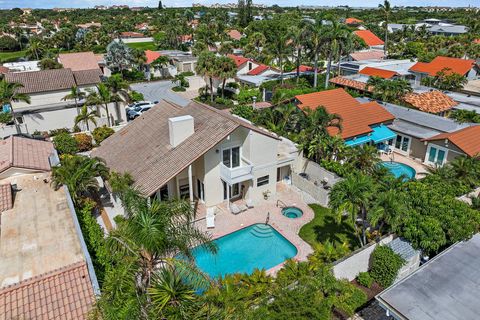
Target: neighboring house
x=377 y=72
x=263 y=70
x=465 y=67
x=400 y=68
x=447 y=287
x=414 y=129
x=353 y=22
x=244 y=65
x=45 y=267
x=370 y=54
x=79 y=61
x=46 y=89
x=151 y=71
x=362 y=123
x=129 y=35
x=370 y=39
x=89 y=25
x=234 y=34
x=448 y=30
x=197 y=152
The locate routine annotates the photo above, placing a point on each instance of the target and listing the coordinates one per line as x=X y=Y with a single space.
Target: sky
x=186 y=3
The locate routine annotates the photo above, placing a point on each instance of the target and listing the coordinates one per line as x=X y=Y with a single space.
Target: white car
x=136 y=109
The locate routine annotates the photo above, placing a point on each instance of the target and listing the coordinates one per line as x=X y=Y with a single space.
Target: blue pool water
x=257 y=246
x=292 y=212
x=399 y=169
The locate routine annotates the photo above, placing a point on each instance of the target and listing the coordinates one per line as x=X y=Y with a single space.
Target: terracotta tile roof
x=353 y=21
x=130 y=34
x=369 y=37
x=367 y=55
x=466 y=139
x=303 y=68
x=258 y=70
x=88 y=77
x=234 y=34
x=345 y=82
x=185 y=38
x=385 y=74
x=239 y=60
x=6 y=199
x=433 y=101
x=25 y=153
x=456 y=65
x=43 y=81
x=4 y=70
x=151 y=56
x=356 y=117
x=146 y=152
x=66 y=293
x=78 y=61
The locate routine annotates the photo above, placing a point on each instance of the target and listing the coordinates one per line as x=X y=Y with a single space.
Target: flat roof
x=447 y=287
x=38 y=234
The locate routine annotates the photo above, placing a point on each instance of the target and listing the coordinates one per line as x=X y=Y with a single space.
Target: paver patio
x=226 y=222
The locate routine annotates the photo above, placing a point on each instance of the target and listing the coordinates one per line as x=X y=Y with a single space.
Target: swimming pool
x=257 y=246
x=400 y=169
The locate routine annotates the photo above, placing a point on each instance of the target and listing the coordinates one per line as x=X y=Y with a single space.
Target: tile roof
x=185 y=38
x=303 y=68
x=78 y=61
x=367 y=55
x=369 y=37
x=345 y=82
x=6 y=199
x=432 y=101
x=234 y=34
x=65 y=293
x=455 y=65
x=382 y=73
x=258 y=70
x=130 y=34
x=146 y=152
x=152 y=56
x=466 y=139
x=353 y=21
x=239 y=60
x=88 y=77
x=42 y=81
x=25 y=153
x=356 y=117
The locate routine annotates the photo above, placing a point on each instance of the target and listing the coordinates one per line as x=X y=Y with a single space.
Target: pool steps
x=262 y=231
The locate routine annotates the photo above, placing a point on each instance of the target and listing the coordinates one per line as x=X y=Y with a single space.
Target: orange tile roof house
x=370 y=39
x=353 y=21
x=45 y=268
x=464 y=67
x=376 y=72
x=467 y=140
x=358 y=119
x=234 y=34
x=244 y=65
x=151 y=56
x=367 y=55
x=433 y=101
x=78 y=61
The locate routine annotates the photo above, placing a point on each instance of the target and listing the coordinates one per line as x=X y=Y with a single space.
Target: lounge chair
x=243 y=207
x=250 y=204
x=235 y=209
x=210 y=217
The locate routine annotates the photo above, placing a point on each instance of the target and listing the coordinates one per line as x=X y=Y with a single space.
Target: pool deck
x=420 y=169
x=226 y=222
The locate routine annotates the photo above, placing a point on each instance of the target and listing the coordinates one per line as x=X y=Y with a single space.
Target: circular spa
x=400 y=169
x=292 y=212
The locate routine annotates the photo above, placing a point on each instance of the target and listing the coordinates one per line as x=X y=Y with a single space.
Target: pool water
x=292 y=212
x=258 y=246
x=400 y=169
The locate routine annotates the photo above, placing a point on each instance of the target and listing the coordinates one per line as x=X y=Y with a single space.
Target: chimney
x=180 y=128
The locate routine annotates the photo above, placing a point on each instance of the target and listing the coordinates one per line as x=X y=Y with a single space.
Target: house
x=353 y=22
x=362 y=123
x=46 y=89
x=89 y=25
x=370 y=39
x=432 y=101
x=366 y=55
x=197 y=152
x=183 y=61
x=448 y=30
x=45 y=268
x=244 y=65
x=263 y=70
x=129 y=34
x=234 y=34
x=465 y=67
x=377 y=72
x=79 y=61
x=415 y=128
x=446 y=287
x=381 y=67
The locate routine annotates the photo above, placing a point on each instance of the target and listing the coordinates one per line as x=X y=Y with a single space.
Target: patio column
x=228 y=195
x=190 y=183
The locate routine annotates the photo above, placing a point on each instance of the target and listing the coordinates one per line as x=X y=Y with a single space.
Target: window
x=234 y=190
x=164 y=193
x=184 y=191
x=231 y=157
x=262 y=181
x=402 y=143
x=436 y=156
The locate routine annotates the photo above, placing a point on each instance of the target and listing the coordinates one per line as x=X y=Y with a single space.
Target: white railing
x=235 y=175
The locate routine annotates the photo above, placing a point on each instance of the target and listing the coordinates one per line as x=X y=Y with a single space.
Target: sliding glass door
x=436 y=155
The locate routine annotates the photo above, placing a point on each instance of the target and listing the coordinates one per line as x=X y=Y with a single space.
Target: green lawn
x=11 y=56
x=143 y=45
x=324 y=227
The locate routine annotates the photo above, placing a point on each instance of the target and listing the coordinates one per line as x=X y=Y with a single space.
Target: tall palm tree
x=75 y=94
x=9 y=92
x=227 y=69
x=388 y=208
x=79 y=174
x=336 y=33
x=386 y=10
x=279 y=43
x=207 y=67
x=86 y=116
x=354 y=195
x=317 y=39
x=119 y=91
x=161 y=63
x=100 y=98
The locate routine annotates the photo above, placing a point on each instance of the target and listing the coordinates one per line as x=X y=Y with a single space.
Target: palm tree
x=389 y=208
x=278 y=43
x=386 y=10
x=119 y=91
x=227 y=69
x=75 y=94
x=317 y=39
x=336 y=33
x=86 y=116
x=353 y=195
x=207 y=67
x=100 y=97
x=365 y=158
x=78 y=174
x=8 y=94
x=161 y=63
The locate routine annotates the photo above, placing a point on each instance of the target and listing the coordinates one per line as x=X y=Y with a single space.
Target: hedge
x=385 y=265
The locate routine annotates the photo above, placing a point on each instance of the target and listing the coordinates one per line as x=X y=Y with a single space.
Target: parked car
x=138 y=108
x=138 y=104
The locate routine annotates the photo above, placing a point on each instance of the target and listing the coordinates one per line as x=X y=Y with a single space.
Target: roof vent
x=180 y=128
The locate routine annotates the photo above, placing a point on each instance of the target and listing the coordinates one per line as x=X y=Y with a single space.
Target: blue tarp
x=358 y=140
x=381 y=133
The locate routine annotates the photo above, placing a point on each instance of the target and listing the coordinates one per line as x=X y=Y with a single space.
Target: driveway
x=159 y=90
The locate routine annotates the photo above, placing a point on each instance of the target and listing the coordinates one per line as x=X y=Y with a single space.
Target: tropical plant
x=465 y=116
x=227 y=69
x=9 y=92
x=316 y=34
x=386 y=9
x=365 y=279
x=84 y=142
x=65 y=143
x=161 y=63
x=85 y=116
x=119 y=56
x=389 y=90
x=207 y=67
x=102 y=133
x=49 y=64
x=119 y=91
x=100 y=97
x=385 y=265
x=75 y=94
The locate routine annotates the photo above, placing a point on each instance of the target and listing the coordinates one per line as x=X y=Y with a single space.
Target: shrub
x=65 y=143
x=385 y=265
x=102 y=133
x=54 y=132
x=365 y=279
x=246 y=95
x=6 y=117
x=223 y=101
x=136 y=96
x=233 y=85
x=179 y=89
x=84 y=142
x=244 y=111
x=187 y=73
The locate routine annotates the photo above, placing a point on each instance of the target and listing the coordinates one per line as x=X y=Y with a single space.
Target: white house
x=198 y=153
